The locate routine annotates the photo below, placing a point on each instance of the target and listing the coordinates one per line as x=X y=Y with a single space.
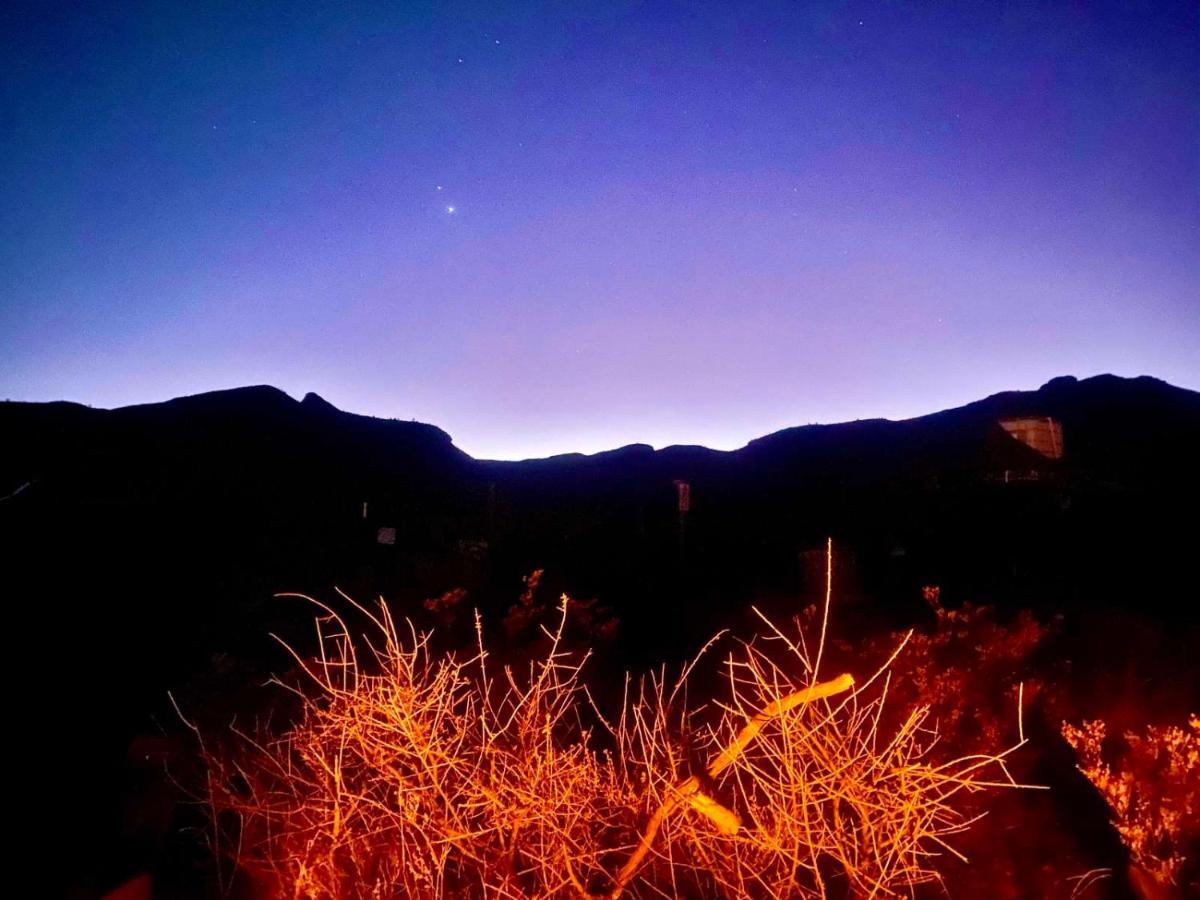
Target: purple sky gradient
x=674 y=223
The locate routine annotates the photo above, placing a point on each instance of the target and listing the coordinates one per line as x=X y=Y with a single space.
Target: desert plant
x=418 y=774
x=1151 y=783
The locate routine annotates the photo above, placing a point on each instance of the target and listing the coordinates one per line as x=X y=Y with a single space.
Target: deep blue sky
x=671 y=222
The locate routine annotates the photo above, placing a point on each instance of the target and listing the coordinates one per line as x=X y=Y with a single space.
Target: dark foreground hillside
x=145 y=546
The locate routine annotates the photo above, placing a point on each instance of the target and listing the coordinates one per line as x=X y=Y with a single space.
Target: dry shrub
x=968 y=668
x=414 y=775
x=409 y=773
x=1151 y=783
x=805 y=792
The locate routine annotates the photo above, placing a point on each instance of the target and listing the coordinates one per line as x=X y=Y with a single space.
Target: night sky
x=572 y=226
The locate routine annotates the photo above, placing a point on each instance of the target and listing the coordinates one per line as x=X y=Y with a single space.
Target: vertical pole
x=684 y=496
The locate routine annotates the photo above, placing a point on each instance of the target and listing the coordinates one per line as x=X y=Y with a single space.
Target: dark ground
x=145 y=546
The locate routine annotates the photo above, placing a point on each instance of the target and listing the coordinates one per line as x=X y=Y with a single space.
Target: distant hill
x=188 y=515
x=270 y=492
x=1115 y=424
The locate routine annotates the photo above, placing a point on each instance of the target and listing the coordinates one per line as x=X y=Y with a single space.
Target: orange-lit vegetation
x=966 y=668
x=413 y=773
x=969 y=669
x=1151 y=783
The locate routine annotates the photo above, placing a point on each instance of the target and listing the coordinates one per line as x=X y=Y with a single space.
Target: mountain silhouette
x=275 y=493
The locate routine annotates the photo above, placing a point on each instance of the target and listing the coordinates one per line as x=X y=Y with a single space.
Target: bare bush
x=409 y=773
x=1151 y=783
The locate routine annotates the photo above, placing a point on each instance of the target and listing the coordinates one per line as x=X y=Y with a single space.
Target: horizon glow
x=549 y=230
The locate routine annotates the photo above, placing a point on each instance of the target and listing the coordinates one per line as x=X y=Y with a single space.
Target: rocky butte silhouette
x=143 y=543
